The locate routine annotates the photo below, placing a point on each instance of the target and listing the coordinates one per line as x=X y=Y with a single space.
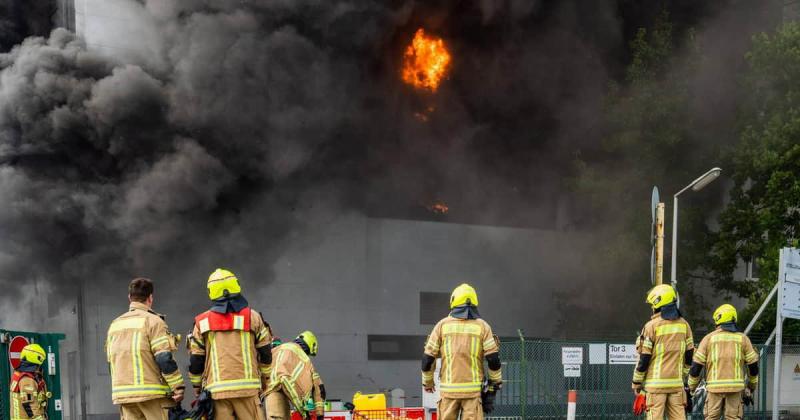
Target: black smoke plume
x=247 y=120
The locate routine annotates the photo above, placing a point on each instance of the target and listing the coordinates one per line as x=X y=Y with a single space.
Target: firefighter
x=145 y=379
x=295 y=381
x=666 y=353
x=28 y=390
x=462 y=340
x=229 y=351
x=724 y=353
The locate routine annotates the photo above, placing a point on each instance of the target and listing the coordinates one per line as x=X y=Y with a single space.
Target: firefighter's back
x=135 y=376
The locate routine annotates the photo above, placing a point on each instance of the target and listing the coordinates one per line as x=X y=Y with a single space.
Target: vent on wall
x=433 y=306
x=395 y=347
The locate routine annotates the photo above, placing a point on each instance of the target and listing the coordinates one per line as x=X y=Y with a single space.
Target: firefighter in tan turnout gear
x=145 y=380
x=28 y=390
x=724 y=353
x=229 y=351
x=462 y=340
x=294 y=381
x=666 y=353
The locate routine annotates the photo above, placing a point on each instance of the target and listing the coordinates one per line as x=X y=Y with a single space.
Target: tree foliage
x=649 y=139
x=763 y=214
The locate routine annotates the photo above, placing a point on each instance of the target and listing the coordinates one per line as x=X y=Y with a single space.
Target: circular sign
x=15 y=348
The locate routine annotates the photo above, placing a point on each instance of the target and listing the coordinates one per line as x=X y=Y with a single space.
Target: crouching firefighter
x=462 y=340
x=229 y=351
x=724 y=353
x=28 y=390
x=666 y=353
x=295 y=381
x=145 y=380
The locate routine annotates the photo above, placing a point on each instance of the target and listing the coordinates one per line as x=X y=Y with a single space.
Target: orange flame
x=439 y=207
x=425 y=61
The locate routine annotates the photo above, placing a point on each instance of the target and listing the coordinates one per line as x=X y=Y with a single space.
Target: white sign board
x=571 y=355
x=790 y=283
x=572 y=371
x=597 y=353
x=622 y=354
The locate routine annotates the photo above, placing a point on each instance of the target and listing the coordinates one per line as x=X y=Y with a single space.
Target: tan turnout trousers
x=671 y=405
x=245 y=408
x=157 y=409
x=729 y=402
x=278 y=406
x=469 y=408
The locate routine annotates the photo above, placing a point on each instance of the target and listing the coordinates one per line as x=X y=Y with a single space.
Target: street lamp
x=698 y=184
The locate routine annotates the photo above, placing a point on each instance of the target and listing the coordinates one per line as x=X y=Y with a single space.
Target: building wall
x=359 y=276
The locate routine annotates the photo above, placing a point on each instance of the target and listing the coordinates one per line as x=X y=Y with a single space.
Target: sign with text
x=622 y=354
x=572 y=371
x=790 y=283
x=571 y=355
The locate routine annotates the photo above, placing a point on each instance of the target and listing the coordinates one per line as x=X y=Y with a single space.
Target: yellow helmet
x=310 y=340
x=33 y=353
x=661 y=295
x=221 y=281
x=462 y=295
x=725 y=313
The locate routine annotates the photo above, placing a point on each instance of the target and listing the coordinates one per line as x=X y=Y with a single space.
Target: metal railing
x=535 y=386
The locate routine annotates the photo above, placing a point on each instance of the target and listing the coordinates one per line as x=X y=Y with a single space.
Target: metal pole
x=776 y=380
x=659 y=244
x=82 y=349
x=523 y=394
x=760 y=310
x=673 y=268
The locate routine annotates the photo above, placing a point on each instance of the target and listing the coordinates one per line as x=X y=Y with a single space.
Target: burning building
x=350 y=161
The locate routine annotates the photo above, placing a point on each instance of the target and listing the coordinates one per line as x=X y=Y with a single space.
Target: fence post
x=523 y=385
x=572 y=397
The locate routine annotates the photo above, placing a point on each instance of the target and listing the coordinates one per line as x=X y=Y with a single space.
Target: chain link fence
x=536 y=383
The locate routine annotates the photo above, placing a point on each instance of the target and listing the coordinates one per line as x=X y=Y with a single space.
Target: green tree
x=764 y=210
x=649 y=140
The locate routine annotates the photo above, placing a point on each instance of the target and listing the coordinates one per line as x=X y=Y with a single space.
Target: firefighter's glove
x=636 y=387
x=747 y=398
x=429 y=388
x=639 y=404
x=177 y=394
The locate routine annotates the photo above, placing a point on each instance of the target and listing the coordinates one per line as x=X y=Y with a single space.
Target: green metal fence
x=535 y=385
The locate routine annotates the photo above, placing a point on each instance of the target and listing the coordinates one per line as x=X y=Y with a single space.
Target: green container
x=51 y=370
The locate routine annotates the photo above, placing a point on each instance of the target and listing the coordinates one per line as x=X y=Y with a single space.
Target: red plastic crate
x=390 y=414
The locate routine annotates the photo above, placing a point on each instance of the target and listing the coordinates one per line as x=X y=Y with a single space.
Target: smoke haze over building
x=226 y=133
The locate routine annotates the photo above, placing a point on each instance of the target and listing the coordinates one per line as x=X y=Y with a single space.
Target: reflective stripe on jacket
x=133 y=341
x=462 y=344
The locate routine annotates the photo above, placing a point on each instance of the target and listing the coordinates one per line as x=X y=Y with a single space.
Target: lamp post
x=698 y=184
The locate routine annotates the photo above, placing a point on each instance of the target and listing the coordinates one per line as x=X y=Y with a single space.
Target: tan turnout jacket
x=133 y=341
x=667 y=342
x=232 y=369
x=27 y=391
x=462 y=345
x=293 y=372
x=724 y=355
